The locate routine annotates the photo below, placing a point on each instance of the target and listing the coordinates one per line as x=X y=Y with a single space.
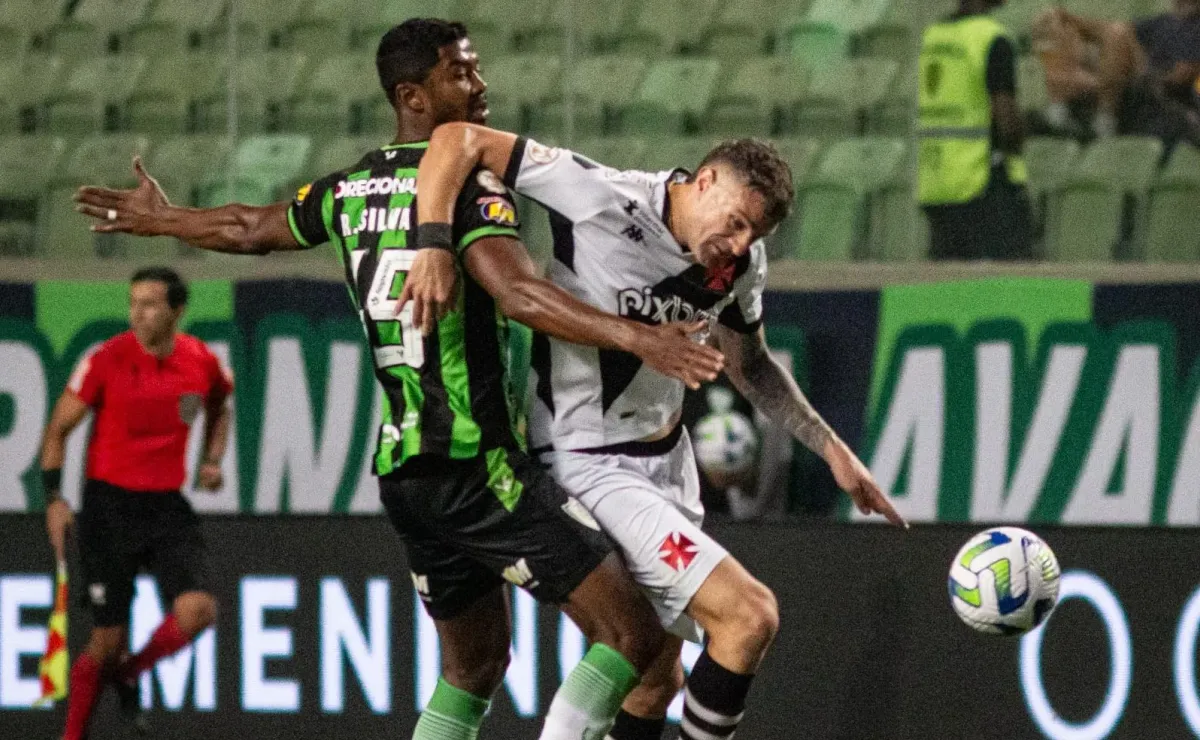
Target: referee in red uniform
x=145 y=387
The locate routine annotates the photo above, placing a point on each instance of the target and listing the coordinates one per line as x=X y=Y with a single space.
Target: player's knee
x=480 y=677
x=106 y=643
x=639 y=641
x=757 y=615
x=196 y=611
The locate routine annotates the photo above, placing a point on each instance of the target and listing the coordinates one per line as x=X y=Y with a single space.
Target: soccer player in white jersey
x=657 y=247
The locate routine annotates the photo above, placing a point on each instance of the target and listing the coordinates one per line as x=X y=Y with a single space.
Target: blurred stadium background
x=1061 y=394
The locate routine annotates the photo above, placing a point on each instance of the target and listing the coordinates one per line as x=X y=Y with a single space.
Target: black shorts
x=470 y=525
x=122 y=532
x=998 y=225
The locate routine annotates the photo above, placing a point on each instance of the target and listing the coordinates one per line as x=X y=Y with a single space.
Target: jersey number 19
x=400 y=342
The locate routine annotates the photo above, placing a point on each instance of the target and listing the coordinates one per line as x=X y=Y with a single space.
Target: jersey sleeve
x=561 y=180
x=485 y=207
x=744 y=313
x=220 y=377
x=306 y=214
x=89 y=377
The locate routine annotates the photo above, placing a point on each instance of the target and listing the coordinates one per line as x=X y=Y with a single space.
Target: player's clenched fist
x=671 y=350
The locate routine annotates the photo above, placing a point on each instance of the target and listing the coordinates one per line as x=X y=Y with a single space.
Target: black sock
x=714 y=702
x=630 y=727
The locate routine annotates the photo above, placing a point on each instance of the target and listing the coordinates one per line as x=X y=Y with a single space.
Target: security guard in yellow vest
x=971 y=177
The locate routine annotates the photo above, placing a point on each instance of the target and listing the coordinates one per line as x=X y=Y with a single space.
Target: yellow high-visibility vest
x=955 y=112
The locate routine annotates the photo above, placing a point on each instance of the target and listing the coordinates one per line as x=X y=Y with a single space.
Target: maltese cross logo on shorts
x=677 y=551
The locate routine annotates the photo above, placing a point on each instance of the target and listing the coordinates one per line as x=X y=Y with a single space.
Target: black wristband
x=52 y=484
x=435 y=236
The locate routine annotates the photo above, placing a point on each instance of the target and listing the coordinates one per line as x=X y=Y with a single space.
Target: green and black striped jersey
x=446 y=394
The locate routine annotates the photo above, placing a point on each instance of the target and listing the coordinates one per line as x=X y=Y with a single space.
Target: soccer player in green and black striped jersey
x=472 y=509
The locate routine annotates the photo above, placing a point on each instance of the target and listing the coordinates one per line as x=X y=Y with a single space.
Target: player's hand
x=210 y=477
x=432 y=288
x=670 y=350
x=855 y=479
x=59 y=519
x=134 y=211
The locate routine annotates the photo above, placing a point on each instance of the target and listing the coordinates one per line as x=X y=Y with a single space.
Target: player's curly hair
x=177 y=290
x=765 y=170
x=409 y=51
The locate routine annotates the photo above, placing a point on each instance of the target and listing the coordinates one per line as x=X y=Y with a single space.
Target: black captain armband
x=435 y=236
x=52 y=484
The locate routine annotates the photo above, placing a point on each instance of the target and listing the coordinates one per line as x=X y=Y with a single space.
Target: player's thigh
x=178 y=554
x=475 y=643
x=109 y=533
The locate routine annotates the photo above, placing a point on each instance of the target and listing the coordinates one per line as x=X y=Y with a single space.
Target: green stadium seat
x=840 y=94
x=1031 y=84
x=265 y=83
x=98 y=160
x=334 y=155
x=894 y=41
x=14 y=42
x=674 y=96
x=841 y=201
x=1051 y=161
x=335 y=97
x=619 y=152
x=94 y=95
x=740 y=30
x=603 y=87
x=34 y=16
x=666 y=153
x=896 y=113
x=758 y=97
x=816 y=45
x=1101 y=202
x=1173 y=215
x=496 y=26
x=595 y=25
x=110 y=15
x=261 y=25
x=324 y=26
x=30 y=81
x=519 y=84
x=852 y=16
x=1017 y=16
x=182 y=163
x=666 y=27
x=169 y=99
x=801 y=155
x=27 y=166
x=171 y=26
x=265 y=168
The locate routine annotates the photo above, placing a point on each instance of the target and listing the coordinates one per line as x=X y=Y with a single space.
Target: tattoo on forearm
x=775 y=393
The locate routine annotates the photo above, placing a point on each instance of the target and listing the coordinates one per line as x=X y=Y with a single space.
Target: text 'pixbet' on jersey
x=375 y=186
x=377 y=221
x=645 y=305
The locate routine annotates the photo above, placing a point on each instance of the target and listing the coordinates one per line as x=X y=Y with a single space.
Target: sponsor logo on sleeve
x=489 y=182
x=498 y=211
x=303 y=192
x=542 y=154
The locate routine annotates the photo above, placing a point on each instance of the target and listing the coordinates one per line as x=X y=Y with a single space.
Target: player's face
x=150 y=316
x=727 y=217
x=458 y=91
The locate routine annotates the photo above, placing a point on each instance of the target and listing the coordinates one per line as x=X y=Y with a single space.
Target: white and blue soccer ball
x=726 y=443
x=1004 y=581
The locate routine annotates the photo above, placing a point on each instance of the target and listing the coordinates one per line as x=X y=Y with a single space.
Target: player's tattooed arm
x=146 y=211
x=771 y=388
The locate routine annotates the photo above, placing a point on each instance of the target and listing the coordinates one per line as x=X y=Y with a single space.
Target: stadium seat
x=265 y=168
x=34 y=16
x=261 y=25
x=1031 y=84
x=669 y=152
x=619 y=152
x=519 y=84
x=840 y=94
x=97 y=160
x=329 y=26
x=840 y=201
x=27 y=83
x=94 y=95
x=741 y=30
x=595 y=26
x=1051 y=161
x=1100 y=207
x=1017 y=16
x=182 y=163
x=896 y=113
x=800 y=154
x=27 y=166
x=603 y=87
x=1173 y=216
x=169 y=99
x=665 y=27
x=495 y=26
x=894 y=41
x=852 y=16
x=673 y=97
x=816 y=45
x=757 y=99
x=335 y=97
x=265 y=83
x=333 y=155
x=171 y=26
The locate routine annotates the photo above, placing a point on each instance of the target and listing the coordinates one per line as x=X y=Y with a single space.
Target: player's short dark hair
x=409 y=51
x=177 y=290
x=765 y=170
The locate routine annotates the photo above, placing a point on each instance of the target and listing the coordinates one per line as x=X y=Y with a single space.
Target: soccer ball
x=1004 y=581
x=726 y=443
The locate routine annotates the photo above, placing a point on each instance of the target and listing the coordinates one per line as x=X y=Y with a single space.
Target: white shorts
x=650 y=506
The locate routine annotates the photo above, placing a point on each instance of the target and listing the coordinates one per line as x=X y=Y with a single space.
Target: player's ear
x=705 y=178
x=412 y=97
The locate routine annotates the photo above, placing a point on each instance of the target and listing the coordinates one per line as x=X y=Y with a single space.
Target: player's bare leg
x=626 y=639
x=643 y=715
x=475 y=656
x=104 y=646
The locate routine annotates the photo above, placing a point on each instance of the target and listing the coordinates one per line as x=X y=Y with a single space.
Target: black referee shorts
x=121 y=532
x=470 y=525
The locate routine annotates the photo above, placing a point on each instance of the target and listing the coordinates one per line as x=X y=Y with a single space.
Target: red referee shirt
x=144 y=407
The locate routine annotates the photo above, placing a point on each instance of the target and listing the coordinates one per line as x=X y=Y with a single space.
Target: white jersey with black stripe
x=613 y=250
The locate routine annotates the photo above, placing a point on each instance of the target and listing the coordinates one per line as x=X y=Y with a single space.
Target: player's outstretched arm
x=501 y=265
x=454 y=150
x=146 y=211
x=773 y=390
x=68 y=413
